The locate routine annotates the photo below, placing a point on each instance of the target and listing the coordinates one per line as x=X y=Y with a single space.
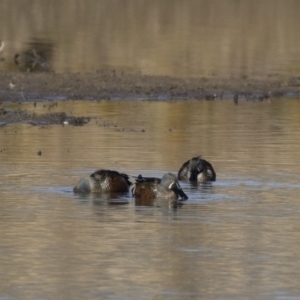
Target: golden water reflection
x=235 y=238
x=249 y=134
x=178 y=38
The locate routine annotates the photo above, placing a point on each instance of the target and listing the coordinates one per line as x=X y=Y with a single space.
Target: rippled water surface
x=237 y=238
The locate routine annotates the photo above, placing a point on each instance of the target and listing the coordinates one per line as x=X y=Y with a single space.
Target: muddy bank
x=20 y=87
x=8 y=116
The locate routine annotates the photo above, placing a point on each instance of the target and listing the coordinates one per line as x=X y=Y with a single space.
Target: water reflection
x=108 y=198
x=162 y=203
x=36 y=57
x=2 y=45
x=232 y=236
x=170 y=37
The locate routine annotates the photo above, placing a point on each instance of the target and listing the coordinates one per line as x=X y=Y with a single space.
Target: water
x=237 y=238
x=170 y=37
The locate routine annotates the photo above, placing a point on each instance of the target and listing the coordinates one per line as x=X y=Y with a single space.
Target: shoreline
x=16 y=87
x=106 y=85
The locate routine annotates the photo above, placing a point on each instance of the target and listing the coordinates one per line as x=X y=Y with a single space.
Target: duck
x=104 y=181
x=165 y=188
x=197 y=169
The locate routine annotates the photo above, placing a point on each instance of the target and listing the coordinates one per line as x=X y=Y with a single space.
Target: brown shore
x=17 y=87
x=20 y=87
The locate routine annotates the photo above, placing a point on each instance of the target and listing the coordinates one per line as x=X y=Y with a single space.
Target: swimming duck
x=103 y=181
x=197 y=169
x=166 y=188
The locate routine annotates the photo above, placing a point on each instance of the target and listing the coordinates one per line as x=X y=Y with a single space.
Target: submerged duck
x=103 y=181
x=166 y=188
x=197 y=169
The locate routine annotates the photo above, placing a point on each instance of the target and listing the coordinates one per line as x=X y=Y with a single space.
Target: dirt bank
x=8 y=116
x=17 y=86
x=23 y=87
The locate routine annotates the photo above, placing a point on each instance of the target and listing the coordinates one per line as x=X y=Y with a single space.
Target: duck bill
x=175 y=187
x=182 y=194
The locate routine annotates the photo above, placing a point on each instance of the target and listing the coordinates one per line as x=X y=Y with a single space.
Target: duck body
x=104 y=181
x=166 y=188
x=197 y=169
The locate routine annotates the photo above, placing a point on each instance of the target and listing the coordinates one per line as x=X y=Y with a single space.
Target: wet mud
x=8 y=116
x=19 y=87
